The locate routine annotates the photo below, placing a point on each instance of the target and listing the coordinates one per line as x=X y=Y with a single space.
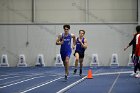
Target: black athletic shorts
x=81 y=55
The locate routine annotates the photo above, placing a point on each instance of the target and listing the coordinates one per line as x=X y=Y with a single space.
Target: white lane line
x=9 y=77
x=13 y=74
x=21 y=81
x=77 y=82
x=29 y=76
x=112 y=73
x=113 y=84
x=19 y=73
x=71 y=85
x=41 y=85
x=23 y=78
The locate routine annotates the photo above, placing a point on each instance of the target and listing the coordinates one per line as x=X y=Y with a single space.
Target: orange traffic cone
x=89 y=76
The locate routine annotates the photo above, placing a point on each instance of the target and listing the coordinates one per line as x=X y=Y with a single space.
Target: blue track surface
x=51 y=80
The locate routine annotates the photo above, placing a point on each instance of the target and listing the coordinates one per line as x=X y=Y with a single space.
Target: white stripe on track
x=20 y=82
x=77 y=82
x=41 y=85
x=9 y=77
x=71 y=85
x=113 y=73
x=113 y=84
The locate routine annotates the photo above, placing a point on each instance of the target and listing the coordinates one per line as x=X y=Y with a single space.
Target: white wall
x=103 y=39
x=112 y=10
x=20 y=11
x=17 y=11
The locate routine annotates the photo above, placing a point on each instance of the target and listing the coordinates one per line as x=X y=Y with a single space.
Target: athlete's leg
x=67 y=65
x=81 y=66
x=63 y=56
x=76 y=62
x=66 y=62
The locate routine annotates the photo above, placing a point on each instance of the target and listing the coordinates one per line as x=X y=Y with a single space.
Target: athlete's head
x=138 y=28
x=81 y=33
x=66 y=28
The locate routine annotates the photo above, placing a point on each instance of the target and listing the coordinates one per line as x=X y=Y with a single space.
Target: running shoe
x=74 y=72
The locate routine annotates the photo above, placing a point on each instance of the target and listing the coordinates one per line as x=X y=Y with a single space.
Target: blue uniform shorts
x=64 y=55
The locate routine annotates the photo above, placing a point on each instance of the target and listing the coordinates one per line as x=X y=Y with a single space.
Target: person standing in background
x=133 y=57
x=137 y=51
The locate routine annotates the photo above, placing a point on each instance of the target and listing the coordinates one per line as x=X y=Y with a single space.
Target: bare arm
x=74 y=40
x=58 y=41
x=84 y=45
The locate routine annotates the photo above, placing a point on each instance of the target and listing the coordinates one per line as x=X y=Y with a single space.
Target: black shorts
x=81 y=55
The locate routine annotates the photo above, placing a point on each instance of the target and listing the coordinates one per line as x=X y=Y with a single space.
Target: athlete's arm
x=84 y=45
x=58 y=41
x=74 y=41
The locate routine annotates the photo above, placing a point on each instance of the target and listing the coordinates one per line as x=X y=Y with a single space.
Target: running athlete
x=64 y=39
x=81 y=45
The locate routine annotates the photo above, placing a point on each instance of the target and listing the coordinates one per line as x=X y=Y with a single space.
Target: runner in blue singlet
x=64 y=39
x=65 y=49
